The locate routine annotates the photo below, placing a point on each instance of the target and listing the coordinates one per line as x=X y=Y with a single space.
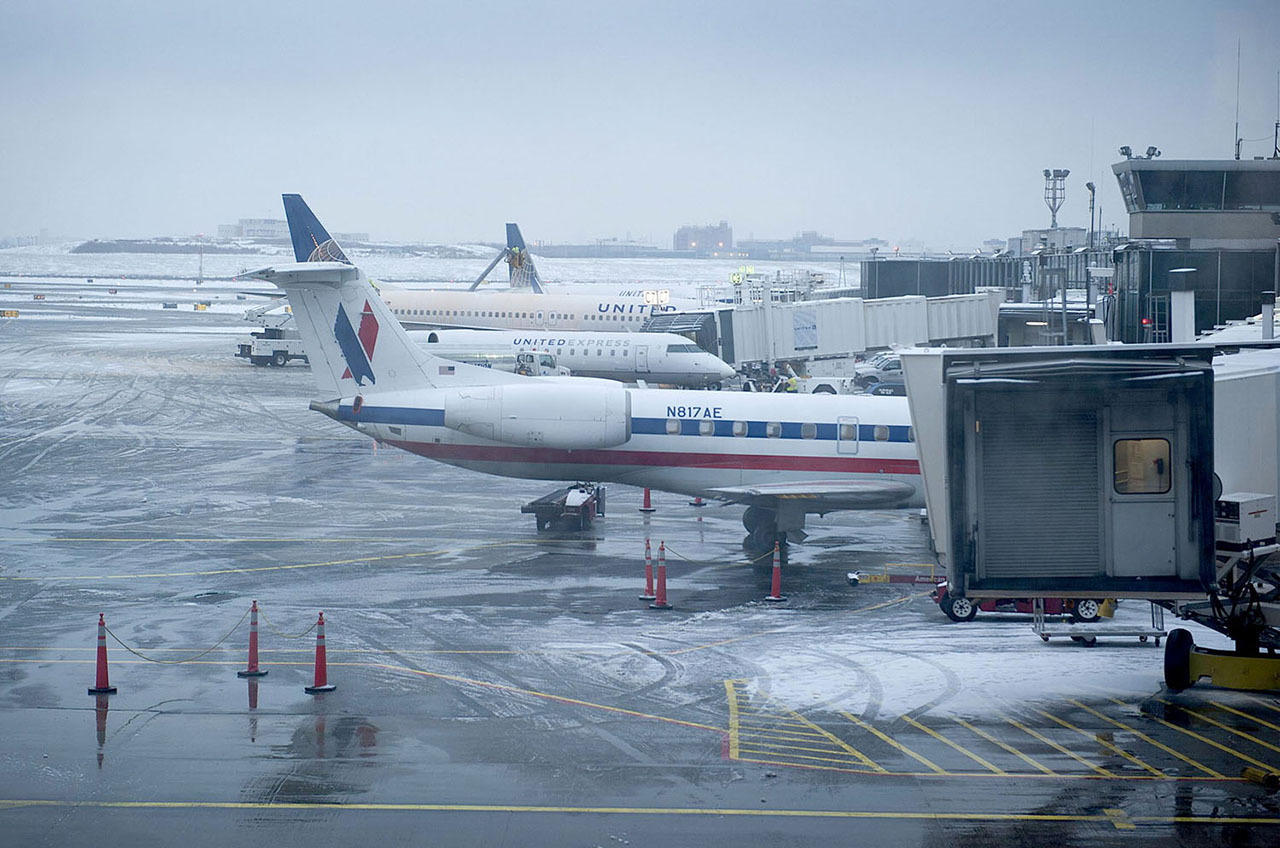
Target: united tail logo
x=357 y=347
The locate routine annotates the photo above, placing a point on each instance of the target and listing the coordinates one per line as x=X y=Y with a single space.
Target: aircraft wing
x=835 y=494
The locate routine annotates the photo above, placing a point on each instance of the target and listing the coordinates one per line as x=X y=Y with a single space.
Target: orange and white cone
x=252 y=670
x=660 y=602
x=776 y=591
x=648 y=502
x=103 y=685
x=648 y=574
x=322 y=683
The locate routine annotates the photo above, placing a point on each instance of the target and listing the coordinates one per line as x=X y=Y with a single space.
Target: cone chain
x=648 y=574
x=776 y=593
x=103 y=685
x=660 y=602
x=648 y=503
x=322 y=683
x=252 y=670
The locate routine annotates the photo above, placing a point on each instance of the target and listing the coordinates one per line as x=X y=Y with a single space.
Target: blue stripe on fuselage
x=639 y=426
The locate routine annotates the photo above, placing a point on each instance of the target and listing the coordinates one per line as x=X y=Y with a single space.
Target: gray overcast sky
x=438 y=122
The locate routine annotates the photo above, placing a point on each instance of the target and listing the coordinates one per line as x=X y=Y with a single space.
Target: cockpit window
x=683 y=348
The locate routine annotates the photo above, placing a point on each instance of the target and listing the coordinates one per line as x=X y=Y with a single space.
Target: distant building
x=1057 y=238
x=704 y=239
x=274 y=229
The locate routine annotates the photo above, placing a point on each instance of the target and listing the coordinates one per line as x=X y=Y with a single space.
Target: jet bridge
x=1079 y=473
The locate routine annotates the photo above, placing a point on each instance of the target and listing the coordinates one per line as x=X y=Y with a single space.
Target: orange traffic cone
x=252 y=670
x=648 y=574
x=648 y=503
x=103 y=686
x=776 y=593
x=322 y=683
x=660 y=602
x=697 y=501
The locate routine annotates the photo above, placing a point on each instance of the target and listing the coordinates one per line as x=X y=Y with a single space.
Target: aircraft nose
x=727 y=371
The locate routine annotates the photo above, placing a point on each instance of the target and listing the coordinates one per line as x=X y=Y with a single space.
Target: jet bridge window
x=773 y=430
x=673 y=426
x=1142 y=467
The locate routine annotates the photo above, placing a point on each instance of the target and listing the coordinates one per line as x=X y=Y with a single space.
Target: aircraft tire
x=764 y=536
x=755 y=516
x=1177 y=660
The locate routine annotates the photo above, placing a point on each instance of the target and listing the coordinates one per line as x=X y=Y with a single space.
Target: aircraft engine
x=538 y=414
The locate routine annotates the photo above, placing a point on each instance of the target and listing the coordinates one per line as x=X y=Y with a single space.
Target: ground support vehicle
x=576 y=506
x=1244 y=605
x=965 y=609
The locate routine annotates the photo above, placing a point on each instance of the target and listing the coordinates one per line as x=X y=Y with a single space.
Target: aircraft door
x=642 y=359
x=846 y=435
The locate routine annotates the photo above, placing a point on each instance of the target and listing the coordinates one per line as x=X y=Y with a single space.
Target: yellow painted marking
x=735 y=731
x=1206 y=740
x=1252 y=718
x=784 y=746
x=1104 y=743
x=1145 y=738
x=772 y=631
x=253 y=570
x=502 y=687
x=732 y=695
x=927 y=763
x=1101 y=818
x=936 y=735
x=757 y=733
x=785 y=757
x=1225 y=727
x=1264 y=703
x=1012 y=750
x=1046 y=740
x=1120 y=819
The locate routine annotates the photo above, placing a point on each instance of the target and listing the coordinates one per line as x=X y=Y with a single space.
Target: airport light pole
x=875 y=272
x=1092 y=189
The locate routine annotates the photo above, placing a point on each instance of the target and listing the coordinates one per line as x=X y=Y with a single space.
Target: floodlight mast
x=1055 y=192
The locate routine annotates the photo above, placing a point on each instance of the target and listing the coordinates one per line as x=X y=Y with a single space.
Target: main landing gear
x=762 y=529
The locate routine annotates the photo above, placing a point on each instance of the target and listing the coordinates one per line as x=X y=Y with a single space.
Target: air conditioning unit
x=1244 y=519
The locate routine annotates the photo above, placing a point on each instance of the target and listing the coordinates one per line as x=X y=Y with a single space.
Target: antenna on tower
x=1237 y=135
x=1055 y=192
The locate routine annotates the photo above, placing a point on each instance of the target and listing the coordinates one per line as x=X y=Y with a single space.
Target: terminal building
x=1215 y=223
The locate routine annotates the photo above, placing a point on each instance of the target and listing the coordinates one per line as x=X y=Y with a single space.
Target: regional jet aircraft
x=525 y=309
x=664 y=358
x=785 y=456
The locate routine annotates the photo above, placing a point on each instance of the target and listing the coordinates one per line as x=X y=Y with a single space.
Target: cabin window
x=1142 y=467
x=739 y=428
x=808 y=431
x=773 y=430
x=599 y=351
x=911 y=434
x=570 y=351
x=613 y=351
x=673 y=426
x=848 y=432
x=706 y=427
x=882 y=433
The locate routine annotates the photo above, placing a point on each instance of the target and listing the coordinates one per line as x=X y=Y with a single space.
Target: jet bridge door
x=1144 y=488
x=1038 y=475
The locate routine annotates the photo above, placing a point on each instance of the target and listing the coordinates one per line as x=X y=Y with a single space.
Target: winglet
x=311 y=241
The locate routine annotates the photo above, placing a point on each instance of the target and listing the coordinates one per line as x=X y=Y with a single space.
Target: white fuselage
x=683 y=441
x=653 y=357
x=512 y=310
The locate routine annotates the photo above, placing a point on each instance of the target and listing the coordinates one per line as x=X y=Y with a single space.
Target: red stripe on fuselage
x=666 y=459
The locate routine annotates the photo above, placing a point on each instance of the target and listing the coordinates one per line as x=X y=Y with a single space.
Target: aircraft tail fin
x=353 y=340
x=523 y=274
x=311 y=241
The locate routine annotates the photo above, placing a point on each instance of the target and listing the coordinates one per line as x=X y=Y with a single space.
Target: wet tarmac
x=497 y=686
